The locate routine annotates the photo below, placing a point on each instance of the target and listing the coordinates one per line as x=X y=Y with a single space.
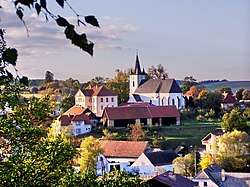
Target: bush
x=200 y=118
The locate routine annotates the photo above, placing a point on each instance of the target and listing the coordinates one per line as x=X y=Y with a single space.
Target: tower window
x=133 y=83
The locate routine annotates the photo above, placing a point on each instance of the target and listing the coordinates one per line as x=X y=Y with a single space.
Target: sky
x=206 y=39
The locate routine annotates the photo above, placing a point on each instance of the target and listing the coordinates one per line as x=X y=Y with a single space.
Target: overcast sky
x=206 y=39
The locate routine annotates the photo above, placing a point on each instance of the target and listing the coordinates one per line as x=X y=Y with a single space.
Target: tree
x=137 y=133
x=67 y=103
x=90 y=149
x=231 y=150
x=193 y=91
x=206 y=160
x=107 y=135
x=157 y=72
x=49 y=77
x=234 y=119
x=185 y=166
x=121 y=179
x=225 y=89
x=187 y=83
x=246 y=95
x=120 y=85
x=239 y=95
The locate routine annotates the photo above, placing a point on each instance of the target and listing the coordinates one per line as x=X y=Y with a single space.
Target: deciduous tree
x=137 y=132
x=90 y=149
x=187 y=83
x=120 y=85
x=184 y=165
x=234 y=119
x=158 y=72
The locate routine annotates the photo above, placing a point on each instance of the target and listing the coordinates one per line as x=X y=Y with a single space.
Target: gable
x=126 y=149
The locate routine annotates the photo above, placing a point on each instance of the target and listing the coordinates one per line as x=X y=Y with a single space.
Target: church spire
x=137 y=70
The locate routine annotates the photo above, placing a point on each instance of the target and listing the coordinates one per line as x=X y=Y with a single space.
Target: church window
x=133 y=83
x=173 y=102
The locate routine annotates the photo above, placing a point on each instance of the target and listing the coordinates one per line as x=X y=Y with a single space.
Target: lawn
x=189 y=133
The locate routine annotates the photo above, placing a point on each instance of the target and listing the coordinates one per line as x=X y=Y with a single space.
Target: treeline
x=212 y=81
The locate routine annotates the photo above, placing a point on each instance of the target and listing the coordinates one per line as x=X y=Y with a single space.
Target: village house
x=96 y=99
x=209 y=140
x=215 y=176
x=228 y=101
x=143 y=113
x=81 y=123
x=77 y=110
x=120 y=154
x=153 y=163
x=155 y=91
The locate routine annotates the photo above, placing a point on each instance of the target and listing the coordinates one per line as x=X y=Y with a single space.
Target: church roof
x=159 y=86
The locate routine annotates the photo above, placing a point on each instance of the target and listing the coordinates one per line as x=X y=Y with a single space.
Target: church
x=158 y=92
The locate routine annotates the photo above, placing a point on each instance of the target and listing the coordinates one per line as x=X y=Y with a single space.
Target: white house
x=209 y=140
x=80 y=123
x=155 y=91
x=96 y=99
x=120 y=154
x=215 y=176
x=154 y=163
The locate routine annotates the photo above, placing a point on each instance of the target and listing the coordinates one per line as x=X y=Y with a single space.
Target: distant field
x=234 y=85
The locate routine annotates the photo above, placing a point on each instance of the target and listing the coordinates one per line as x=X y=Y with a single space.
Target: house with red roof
x=147 y=114
x=81 y=123
x=120 y=154
x=77 y=110
x=96 y=99
x=228 y=100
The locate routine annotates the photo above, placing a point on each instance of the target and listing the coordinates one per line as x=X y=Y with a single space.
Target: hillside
x=234 y=85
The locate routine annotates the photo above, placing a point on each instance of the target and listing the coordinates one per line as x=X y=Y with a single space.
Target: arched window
x=133 y=83
x=173 y=102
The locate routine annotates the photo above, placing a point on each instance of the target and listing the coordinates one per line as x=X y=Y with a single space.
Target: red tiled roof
x=128 y=149
x=75 y=110
x=81 y=117
x=135 y=112
x=66 y=119
x=102 y=91
x=98 y=91
x=228 y=98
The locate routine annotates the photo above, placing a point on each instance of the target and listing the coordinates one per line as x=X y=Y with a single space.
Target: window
x=112 y=99
x=101 y=99
x=205 y=184
x=78 y=123
x=93 y=100
x=107 y=99
x=78 y=131
x=101 y=107
x=133 y=83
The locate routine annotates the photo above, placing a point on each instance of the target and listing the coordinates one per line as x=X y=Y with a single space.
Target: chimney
x=223 y=176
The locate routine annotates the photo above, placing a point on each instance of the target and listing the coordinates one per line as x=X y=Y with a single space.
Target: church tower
x=136 y=76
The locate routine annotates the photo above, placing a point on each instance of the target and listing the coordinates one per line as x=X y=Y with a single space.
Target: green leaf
x=62 y=22
x=10 y=55
x=92 y=20
x=38 y=8
x=43 y=4
x=19 y=13
x=24 y=80
x=60 y=2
